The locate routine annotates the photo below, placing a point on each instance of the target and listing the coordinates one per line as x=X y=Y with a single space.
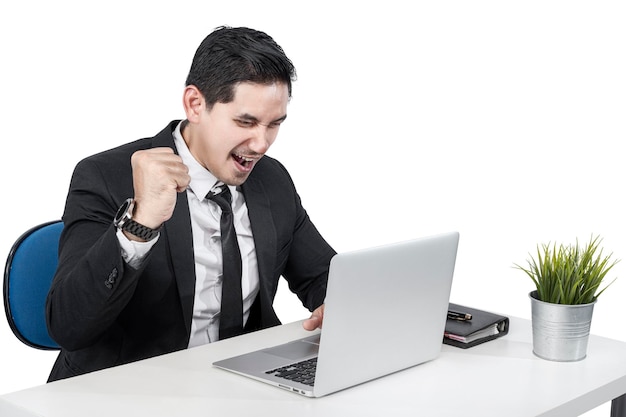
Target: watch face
x=124 y=212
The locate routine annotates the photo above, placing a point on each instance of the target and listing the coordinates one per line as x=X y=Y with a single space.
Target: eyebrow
x=252 y=118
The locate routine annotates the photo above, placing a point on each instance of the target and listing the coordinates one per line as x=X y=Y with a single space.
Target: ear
x=193 y=103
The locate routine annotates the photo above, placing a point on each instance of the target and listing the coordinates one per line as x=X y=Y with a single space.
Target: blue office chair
x=28 y=274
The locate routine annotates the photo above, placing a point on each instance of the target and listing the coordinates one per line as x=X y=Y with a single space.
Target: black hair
x=228 y=56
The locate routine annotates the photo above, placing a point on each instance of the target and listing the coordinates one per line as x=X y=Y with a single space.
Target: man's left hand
x=316 y=319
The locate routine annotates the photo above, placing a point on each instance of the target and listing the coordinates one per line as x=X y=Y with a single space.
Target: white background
x=502 y=120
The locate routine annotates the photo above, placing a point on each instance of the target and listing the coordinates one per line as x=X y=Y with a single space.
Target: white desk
x=499 y=378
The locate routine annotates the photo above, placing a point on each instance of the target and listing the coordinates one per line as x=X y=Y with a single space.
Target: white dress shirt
x=205 y=227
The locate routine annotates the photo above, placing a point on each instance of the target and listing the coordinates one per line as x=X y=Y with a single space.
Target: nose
x=261 y=139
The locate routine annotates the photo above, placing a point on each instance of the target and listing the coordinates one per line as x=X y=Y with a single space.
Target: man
x=140 y=266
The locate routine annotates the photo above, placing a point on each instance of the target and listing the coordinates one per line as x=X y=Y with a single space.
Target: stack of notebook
x=467 y=327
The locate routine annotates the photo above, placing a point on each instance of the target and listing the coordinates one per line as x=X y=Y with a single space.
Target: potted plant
x=568 y=280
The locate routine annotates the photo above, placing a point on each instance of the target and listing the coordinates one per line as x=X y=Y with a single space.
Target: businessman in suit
x=141 y=268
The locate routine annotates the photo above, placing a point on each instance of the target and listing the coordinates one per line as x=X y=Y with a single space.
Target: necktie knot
x=220 y=194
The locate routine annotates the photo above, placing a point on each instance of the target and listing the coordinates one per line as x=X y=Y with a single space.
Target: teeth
x=246 y=159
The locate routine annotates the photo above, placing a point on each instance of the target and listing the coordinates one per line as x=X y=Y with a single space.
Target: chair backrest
x=28 y=274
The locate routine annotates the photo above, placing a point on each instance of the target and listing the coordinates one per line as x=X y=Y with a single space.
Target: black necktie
x=231 y=315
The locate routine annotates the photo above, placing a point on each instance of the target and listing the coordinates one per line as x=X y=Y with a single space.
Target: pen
x=455 y=315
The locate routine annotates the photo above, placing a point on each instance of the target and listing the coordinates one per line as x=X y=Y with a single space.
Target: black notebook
x=482 y=327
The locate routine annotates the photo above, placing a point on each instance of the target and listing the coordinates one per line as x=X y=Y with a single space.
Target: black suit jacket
x=104 y=313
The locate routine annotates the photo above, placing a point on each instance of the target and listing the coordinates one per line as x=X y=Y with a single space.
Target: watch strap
x=140 y=230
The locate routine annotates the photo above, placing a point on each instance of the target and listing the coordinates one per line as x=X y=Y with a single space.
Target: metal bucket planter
x=560 y=331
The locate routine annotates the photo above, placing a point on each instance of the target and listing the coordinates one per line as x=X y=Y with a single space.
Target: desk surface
x=499 y=378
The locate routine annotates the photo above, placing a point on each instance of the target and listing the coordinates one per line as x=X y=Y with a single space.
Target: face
x=229 y=139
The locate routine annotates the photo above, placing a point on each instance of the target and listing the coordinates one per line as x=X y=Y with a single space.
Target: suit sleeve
x=92 y=284
x=306 y=269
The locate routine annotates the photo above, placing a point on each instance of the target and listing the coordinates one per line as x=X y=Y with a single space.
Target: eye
x=245 y=123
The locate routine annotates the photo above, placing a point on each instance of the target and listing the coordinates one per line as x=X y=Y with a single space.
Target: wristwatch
x=124 y=221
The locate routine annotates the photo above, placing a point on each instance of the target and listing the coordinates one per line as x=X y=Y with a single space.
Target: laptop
x=385 y=311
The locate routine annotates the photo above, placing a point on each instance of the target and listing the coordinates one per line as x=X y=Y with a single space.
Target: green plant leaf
x=569 y=274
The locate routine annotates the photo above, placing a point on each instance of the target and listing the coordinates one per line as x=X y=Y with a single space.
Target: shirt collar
x=202 y=180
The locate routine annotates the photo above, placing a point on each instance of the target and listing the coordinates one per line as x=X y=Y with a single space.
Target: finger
x=312 y=323
x=182 y=182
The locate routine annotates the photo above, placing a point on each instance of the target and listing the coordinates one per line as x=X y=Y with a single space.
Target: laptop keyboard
x=302 y=372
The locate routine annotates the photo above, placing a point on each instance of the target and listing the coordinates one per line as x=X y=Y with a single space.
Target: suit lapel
x=179 y=240
x=177 y=231
x=263 y=231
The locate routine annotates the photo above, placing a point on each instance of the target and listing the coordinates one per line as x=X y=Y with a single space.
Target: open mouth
x=244 y=162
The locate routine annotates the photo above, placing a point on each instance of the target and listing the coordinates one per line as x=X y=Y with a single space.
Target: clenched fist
x=158 y=175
